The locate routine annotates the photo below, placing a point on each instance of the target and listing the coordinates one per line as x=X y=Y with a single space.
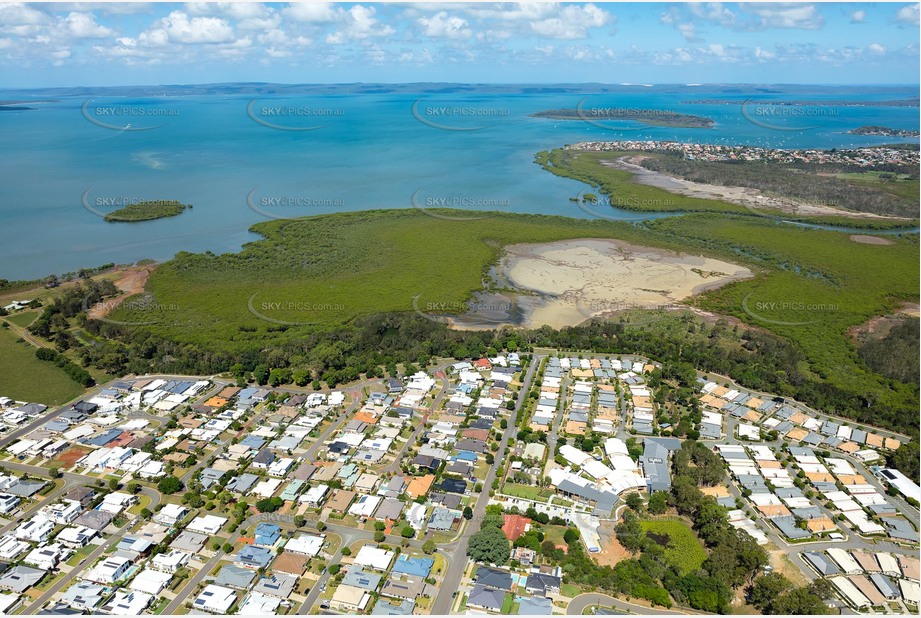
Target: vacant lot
x=25 y=378
x=69 y=457
x=682 y=547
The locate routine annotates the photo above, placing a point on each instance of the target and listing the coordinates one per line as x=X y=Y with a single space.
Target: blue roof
x=256 y=556
x=420 y=567
x=466 y=456
x=534 y=606
x=104 y=438
x=267 y=534
x=252 y=441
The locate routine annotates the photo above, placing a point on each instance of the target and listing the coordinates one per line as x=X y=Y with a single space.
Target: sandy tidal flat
x=580 y=279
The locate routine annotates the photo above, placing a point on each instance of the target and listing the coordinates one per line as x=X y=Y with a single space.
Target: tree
x=468 y=513
x=380 y=526
x=490 y=546
x=134 y=488
x=346 y=551
x=407 y=532
x=169 y=485
x=767 y=588
x=333 y=569
x=379 y=536
x=146 y=513
x=630 y=533
x=269 y=505
x=634 y=500
x=658 y=502
x=321 y=526
x=429 y=547
x=55 y=472
x=571 y=535
x=113 y=484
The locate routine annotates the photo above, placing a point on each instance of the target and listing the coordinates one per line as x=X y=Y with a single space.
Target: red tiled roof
x=514 y=526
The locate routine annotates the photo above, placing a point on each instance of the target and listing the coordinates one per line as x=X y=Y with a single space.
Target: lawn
x=529 y=492
x=682 y=547
x=24 y=377
x=570 y=590
x=23 y=318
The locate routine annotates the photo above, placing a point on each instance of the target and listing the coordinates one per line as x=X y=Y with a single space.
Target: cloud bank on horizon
x=68 y=44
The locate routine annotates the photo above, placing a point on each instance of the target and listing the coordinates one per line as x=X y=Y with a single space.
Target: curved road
x=579 y=603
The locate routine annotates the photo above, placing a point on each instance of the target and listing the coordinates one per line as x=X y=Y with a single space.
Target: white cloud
x=358 y=23
x=857 y=17
x=572 y=22
x=442 y=25
x=876 y=49
x=84 y=26
x=179 y=28
x=909 y=14
x=314 y=12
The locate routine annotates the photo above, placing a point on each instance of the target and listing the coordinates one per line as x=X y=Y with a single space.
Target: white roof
x=307 y=544
x=574 y=455
x=365 y=506
x=207 y=524
x=596 y=469
x=374 y=557
x=150 y=581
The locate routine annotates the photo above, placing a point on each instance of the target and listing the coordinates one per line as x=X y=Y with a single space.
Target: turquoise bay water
x=62 y=170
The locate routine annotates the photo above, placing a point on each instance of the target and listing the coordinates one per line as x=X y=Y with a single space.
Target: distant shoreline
x=804 y=103
x=653 y=117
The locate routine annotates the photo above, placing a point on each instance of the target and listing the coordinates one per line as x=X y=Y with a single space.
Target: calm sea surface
x=237 y=160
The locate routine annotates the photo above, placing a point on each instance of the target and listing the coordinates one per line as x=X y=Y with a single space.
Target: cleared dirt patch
x=865 y=239
x=69 y=457
x=130 y=281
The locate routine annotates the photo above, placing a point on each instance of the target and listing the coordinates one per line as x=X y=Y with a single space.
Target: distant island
x=653 y=117
x=890 y=103
x=147 y=211
x=884 y=131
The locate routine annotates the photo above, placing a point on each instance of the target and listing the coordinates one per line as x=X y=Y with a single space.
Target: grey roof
x=813 y=438
x=389 y=508
x=821 y=563
x=486 y=597
x=265 y=456
x=899 y=528
x=830 y=428
x=279 y=585
x=578 y=417
x=210 y=476
x=541 y=582
x=535 y=606
x=103 y=438
x=21 y=578
x=859 y=436
x=788 y=492
x=191 y=542
x=242 y=483
x=728 y=501
x=97 y=520
x=384 y=607
x=788 y=527
x=494 y=578
x=655 y=466
x=442 y=518
x=708 y=430
x=233 y=576
x=26 y=488
x=643 y=427
x=360 y=578
x=885 y=585
x=84 y=594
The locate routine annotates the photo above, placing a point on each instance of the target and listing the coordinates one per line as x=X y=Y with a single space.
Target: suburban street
x=458 y=564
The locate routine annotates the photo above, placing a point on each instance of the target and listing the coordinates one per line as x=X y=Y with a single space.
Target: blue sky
x=73 y=44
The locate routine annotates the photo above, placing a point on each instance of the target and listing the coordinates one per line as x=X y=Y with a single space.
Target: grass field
x=526 y=491
x=310 y=273
x=683 y=549
x=818 y=284
x=23 y=318
x=25 y=378
x=587 y=167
